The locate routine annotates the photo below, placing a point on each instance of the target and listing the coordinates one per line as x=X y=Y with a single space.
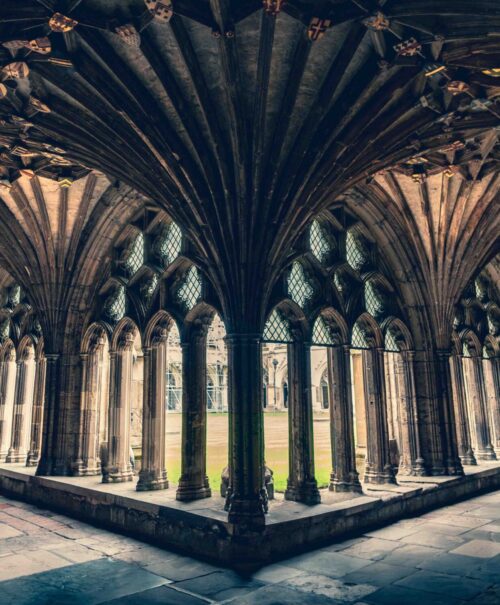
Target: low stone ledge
x=203 y=530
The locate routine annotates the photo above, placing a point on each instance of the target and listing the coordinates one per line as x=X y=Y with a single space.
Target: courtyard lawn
x=276 y=447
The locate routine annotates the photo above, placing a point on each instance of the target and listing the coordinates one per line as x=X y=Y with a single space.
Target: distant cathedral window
x=174 y=393
x=299 y=289
x=135 y=255
x=190 y=291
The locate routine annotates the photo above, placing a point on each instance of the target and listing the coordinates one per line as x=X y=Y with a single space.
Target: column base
x=454 y=468
x=468 y=459
x=307 y=493
x=85 y=470
x=32 y=461
x=419 y=469
x=15 y=458
x=379 y=477
x=245 y=513
x=118 y=477
x=186 y=493
x=49 y=468
x=155 y=484
x=486 y=454
x=346 y=484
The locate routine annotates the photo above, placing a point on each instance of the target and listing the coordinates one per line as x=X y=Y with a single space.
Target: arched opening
x=402 y=413
x=38 y=405
x=320 y=395
x=368 y=369
x=358 y=345
x=217 y=432
x=334 y=445
x=23 y=402
x=276 y=339
x=491 y=372
x=173 y=402
x=475 y=397
x=94 y=410
x=125 y=404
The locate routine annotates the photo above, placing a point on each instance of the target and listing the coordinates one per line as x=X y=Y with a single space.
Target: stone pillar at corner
x=247 y=497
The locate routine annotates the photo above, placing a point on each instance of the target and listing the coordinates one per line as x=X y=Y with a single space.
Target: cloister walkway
x=446 y=557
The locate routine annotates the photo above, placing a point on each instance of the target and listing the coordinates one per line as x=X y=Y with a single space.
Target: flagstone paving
x=447 y=557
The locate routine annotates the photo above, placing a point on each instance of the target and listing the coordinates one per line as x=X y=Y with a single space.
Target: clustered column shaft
x=301 y=485
x=153 y=473
x=344 y=477
x=378 y=464
x=194 y=483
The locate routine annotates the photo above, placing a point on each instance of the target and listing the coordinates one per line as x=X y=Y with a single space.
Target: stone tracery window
x=14 y=295
x=115 y=305
x=190 y=291
x=355 y=255
x=168 y=244
x=135 y=255
x=318 y=242
x=390 y=343
x=299 y=289
x=321 y=333
x=277 y=328
x=358 y=339
x=4 y=329
x=373 y=301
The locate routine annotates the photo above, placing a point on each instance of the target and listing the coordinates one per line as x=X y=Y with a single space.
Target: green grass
x=276 y=447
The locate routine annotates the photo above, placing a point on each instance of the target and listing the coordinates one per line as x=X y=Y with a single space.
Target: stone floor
x=447 y=557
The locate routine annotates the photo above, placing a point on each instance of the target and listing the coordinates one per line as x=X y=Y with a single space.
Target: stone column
x=465 y=451
x=344 y=477
x=23 y=408
x=48 y=463
x=153 y=473
x=36 y=421
x=119 y=468
x=492 y=385
x=88 y=460
x=301 y=484
x=7 y=393
x=477 y=398
x=378 y=464
x=193 y=483
x=448 y=431
x=412 y=424
x=246 y=497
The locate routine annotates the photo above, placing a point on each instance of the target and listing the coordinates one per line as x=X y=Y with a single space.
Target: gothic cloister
x=249 y=265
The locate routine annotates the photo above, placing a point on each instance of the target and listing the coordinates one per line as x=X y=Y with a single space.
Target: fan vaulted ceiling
x=243 y=119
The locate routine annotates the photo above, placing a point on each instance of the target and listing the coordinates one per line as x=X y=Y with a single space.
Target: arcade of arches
x=249 y=250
